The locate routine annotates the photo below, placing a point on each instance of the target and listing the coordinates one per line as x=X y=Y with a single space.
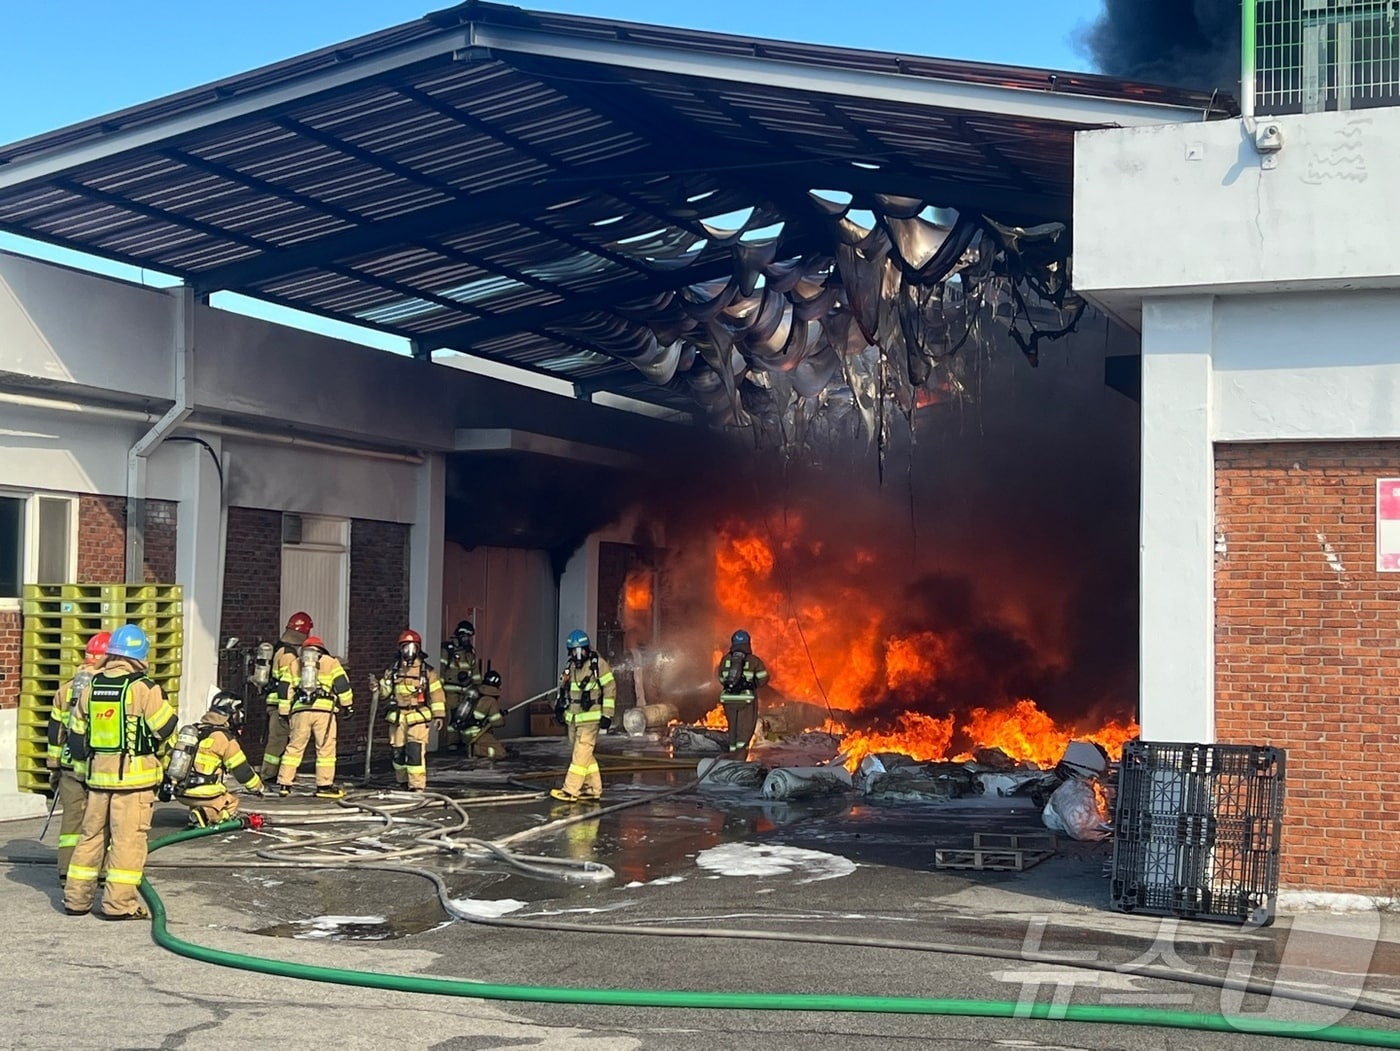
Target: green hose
x=907 y=1005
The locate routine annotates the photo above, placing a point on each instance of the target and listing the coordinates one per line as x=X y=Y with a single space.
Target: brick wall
x=252 y=604
x=378 y=613
x=101 y=560
x=1307 y=652
x=9 y=660
x=102 y=540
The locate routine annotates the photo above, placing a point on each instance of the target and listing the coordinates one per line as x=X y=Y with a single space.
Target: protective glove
x=166 y=792
x=559 y=715
x=604 y=723
x=439 y=723
x=347 y=710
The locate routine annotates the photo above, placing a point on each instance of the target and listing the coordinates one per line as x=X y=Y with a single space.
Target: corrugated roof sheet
x=506 y=202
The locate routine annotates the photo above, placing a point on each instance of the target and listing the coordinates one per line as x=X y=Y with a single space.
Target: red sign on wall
x=1388 y=525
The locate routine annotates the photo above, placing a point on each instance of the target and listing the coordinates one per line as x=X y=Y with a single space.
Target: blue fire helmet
x=129 y=641
x=740 y=640
x=577 y=640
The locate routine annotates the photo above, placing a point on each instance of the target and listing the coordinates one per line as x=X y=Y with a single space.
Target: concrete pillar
x=1177 y=522
x=188 y=473
x=426 y=543
x=578 y=594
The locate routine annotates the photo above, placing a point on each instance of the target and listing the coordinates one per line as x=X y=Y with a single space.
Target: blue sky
x=65 y=62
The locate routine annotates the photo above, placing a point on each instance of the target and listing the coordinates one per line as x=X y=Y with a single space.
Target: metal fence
x=1313 y=55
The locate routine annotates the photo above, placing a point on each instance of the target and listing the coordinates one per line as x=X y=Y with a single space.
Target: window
x=11 y=545
x=36 y=541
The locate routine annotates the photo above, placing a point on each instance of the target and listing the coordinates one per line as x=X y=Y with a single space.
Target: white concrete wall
x=1190 y=206
x=1243 y=368
x=1300 y=367
x=1268 y=298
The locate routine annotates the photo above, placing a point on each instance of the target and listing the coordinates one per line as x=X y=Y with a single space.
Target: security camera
x=1268 y=138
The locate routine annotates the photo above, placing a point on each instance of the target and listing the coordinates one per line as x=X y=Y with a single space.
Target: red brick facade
x=378 y=608
x=9 y=660
x=102 y=540
x=101 y=560
x=1306 y=649
x=378 y=612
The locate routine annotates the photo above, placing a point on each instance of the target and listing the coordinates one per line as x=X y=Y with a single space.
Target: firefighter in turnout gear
x=418 y=703
x=320 y=692
x=69 y=777
x=478 y=714
x=196 y=778
x=740 y=676
x=119 y=729
x=587 y=697
x=461 y=673
x=281 y=681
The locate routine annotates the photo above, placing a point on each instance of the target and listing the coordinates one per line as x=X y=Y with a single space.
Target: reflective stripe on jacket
x=121 y=728
x=333 y=687
x=740 y=675
x=219 y=751
x=59 y=754
x=594 y=684
x=416 y=691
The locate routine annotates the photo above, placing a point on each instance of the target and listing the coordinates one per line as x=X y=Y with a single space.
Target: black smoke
x=1181 y=43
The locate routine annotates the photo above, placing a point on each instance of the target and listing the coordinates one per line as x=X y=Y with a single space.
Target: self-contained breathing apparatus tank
x=261 y=674
x=82 y=679
x=465 y=716
x=181 y=762
x=310 y=669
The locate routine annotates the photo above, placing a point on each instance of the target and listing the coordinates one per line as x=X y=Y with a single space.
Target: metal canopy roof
x=507 y=183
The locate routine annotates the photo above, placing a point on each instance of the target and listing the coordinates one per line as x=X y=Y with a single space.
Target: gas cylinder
x=262 y=665
x=182 y=757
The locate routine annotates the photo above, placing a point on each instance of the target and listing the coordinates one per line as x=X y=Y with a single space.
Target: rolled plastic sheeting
x=799 y=782
x=637 y=721
x=729 y=773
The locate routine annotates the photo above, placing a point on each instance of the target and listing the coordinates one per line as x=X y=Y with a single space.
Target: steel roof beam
x=1085 y=110
x=431 y=222
x=51 y=162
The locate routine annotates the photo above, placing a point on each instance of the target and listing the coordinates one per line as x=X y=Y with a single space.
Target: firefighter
x=740 y=676
x=203 y=752
x=478 y=714
x=461 y=672
x=418 y=703
x=277 y=691
x=320 y=692
x=68 y=776
x=587 y=697
x=119 y=729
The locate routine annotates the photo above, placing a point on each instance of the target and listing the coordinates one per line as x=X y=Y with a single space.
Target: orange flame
x=715 y=719
x=829 y=644
x=916 y=735
x=637 y=591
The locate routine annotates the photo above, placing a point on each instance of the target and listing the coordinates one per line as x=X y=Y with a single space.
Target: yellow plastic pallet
x=58 y=620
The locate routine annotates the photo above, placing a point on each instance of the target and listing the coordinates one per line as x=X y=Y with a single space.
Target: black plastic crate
x=1197 y=831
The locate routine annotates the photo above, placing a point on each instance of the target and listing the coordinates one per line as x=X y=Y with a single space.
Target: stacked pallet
x=58 y=621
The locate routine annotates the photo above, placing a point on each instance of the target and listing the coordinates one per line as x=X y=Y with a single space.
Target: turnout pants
x=72 y=796
x=212 y=808
x=278 y=730
x=306 y=725
x=583 y=778
x=486 y=745
x=114 y=827
x=743 y=718
x=408 y=750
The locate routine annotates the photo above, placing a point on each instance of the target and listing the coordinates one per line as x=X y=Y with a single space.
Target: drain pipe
x=145 y=445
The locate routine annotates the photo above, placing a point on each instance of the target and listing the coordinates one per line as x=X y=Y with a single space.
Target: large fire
x=832 y=646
